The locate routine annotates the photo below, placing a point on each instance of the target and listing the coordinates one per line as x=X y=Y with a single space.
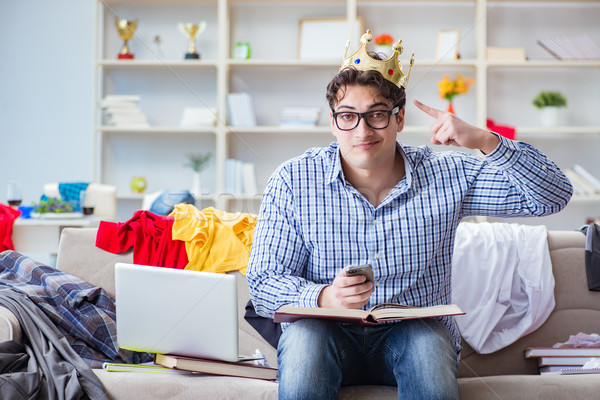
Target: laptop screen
x=174 y=311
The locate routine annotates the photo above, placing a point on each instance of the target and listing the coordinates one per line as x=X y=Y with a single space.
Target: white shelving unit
x=276 y=78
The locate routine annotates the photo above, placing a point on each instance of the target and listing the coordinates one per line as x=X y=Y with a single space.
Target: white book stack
x=240 y=178
x=571 y=47
x=300 y=117
x=241 y=110
x=123 y=111
x=584 y=183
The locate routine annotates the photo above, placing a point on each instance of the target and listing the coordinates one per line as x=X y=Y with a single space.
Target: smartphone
x=365 y=269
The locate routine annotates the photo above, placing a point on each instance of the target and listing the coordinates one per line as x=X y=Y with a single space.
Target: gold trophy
x=126 y=30
x=190 y=30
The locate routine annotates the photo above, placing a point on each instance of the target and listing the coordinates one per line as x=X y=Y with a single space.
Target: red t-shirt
x=7 y=219
x=149 y=234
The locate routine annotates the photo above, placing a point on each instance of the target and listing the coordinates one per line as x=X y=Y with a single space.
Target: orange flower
x=449 y=88
x=384 y=39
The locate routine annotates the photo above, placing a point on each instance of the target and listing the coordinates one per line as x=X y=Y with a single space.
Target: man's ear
x=400 y=119
x=331 y=123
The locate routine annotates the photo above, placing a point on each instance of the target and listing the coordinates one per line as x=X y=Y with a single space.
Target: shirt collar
x=335 y=166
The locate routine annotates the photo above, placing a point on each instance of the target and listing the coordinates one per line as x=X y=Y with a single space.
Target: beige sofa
x=502 y=375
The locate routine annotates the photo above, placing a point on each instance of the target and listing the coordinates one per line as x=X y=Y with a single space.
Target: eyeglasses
x=378 y=119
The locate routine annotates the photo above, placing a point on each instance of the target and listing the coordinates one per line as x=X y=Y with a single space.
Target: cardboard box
x=505 y=54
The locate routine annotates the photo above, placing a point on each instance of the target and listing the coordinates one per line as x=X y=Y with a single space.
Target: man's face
x=364 y=147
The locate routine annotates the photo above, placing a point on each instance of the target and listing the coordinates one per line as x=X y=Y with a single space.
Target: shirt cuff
x=310 y=295
x=506 y=153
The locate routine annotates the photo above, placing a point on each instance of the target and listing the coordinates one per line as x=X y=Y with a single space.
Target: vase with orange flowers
x=384 y=44
x=449 y=88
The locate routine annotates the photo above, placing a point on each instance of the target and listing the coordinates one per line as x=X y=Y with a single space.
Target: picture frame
x=325 y=38
x=447 y=45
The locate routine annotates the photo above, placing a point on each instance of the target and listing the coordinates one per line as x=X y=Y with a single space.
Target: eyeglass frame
x=362 y=115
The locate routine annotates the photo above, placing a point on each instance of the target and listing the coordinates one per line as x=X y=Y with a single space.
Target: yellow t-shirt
x=215 y=241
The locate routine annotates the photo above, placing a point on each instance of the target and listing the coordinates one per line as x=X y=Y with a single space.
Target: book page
x=399 y=311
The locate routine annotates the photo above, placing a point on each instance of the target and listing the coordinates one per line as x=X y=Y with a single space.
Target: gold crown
x=391 y=69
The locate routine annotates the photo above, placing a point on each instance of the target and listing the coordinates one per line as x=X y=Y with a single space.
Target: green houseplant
x=549 y=103
x=549 y=99
x=197 y=162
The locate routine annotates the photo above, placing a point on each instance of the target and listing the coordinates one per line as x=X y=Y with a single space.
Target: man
x=367 y=199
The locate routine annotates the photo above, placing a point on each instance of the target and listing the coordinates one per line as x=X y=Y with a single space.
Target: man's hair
x=370 y=78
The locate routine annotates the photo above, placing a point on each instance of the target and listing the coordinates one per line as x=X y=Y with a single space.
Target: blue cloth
x=165 y=203
x=312 y=223
x=70 y=192
x=85 y=314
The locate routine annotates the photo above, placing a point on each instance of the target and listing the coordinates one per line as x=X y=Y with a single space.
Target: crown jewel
x=391 y=69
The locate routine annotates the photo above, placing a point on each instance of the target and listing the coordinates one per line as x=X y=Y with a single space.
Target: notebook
x=174 y=311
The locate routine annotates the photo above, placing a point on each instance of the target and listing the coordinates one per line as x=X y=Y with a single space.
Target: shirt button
x=377 y=256
x=375 y=222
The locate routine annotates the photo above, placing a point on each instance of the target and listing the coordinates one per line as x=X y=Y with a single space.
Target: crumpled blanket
x=83 y=313
x=44 y=366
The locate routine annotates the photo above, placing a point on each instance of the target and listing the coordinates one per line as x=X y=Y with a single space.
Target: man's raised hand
x=448 y=129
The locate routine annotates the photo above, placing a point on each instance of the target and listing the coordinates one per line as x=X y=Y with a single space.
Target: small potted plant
x=384 y=44
x=197 y=162
x=450 y=88
x=549 y=103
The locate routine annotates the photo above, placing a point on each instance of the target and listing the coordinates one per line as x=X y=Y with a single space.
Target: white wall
x=46 y=67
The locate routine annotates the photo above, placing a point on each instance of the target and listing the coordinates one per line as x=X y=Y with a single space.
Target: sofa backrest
x=79 y=256
x=577 y=310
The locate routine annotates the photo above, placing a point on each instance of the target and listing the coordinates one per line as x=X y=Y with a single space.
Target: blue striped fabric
x=85 y=314
x=312 y=223
x=70 y=191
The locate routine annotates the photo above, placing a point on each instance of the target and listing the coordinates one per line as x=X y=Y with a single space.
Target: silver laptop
x=174 y=311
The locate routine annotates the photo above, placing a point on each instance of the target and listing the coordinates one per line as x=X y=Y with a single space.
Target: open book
x=381 y=312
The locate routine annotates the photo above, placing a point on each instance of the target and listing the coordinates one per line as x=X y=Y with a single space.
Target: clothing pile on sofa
x=68 y=327
x=207 y=240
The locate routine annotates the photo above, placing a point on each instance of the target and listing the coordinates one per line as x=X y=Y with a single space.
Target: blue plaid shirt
x=312 y=223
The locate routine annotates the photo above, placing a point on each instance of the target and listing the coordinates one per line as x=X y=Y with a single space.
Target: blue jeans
x=317 y=357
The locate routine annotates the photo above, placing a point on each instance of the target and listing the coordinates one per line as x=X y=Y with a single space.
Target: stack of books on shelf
x=241 y=110
x=240 y=178
x=123 y=111
x=584 y=183
x=565 y=360
x=300 y=117
x=571 y=47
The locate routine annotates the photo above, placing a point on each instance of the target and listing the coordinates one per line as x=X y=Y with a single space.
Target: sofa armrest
x=9 y=326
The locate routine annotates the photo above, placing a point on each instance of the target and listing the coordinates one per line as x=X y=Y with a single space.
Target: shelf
x=580 y=198
x=546 y=64
x=556 y=131
x=277 y=129
x=154 y=130
x=157 y=64
x=275 y=77
x=140 y=197
x=253 y=62
x=405 y=59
